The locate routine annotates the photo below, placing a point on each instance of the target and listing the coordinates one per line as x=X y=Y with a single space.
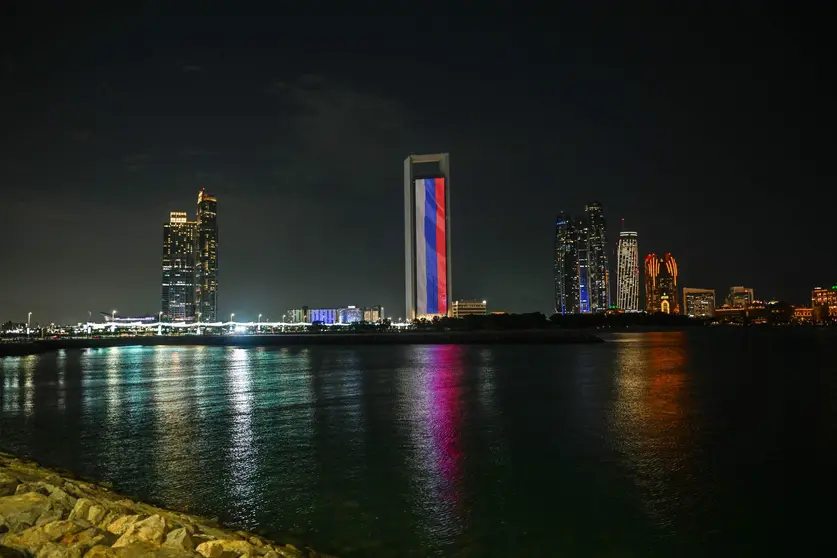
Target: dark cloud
x=337 y=135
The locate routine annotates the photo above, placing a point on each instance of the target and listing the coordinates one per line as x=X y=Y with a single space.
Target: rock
x=30 y=540
x=151 y=530
x=8 y=484
x=210 y=549
x=119 y=526
x=53 y=550
x=81 y=509
x=271 y=554
x=22 y=510
x=25 y=487
x=179 y=538
x=255 y=541
x=288 y=551
x=96 y=514
x=89 y=538
x=49 y=516
x=100 y=551
x=62 y=500
x=6 y=552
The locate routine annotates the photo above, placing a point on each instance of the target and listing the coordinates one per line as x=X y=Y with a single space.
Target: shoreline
x=512 y=337
x=45 y=513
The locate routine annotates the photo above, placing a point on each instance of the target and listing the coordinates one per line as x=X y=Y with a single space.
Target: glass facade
x=627 y=272
x=178 y=300
x=206 y=271
x=580 y=265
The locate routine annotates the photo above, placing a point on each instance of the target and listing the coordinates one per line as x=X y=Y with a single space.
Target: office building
x=740 y=297
x=206 y=272
x=373 y=314
x=825 y=301
x=661 y=284
x=462 y=308
x=565 y=266
x=580 y=264
x=699 y=303
x=427 y=236
x=178 y=300
x=627 y=272
x=597 y=260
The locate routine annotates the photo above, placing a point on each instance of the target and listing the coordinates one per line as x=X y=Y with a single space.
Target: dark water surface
x=705 y=443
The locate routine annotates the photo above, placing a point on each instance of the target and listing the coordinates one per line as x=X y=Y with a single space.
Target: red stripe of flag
x=441 y=247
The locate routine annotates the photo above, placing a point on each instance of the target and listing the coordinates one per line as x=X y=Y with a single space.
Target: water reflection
x=242 y=451
x=432 y=389
x=649 y=419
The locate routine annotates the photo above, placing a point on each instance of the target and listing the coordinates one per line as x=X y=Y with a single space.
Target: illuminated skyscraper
x=565 y=266
x=627 y=272
x=427 y=237
x=580 y=264
x=661 y=284
x=595 y=239
x=179 y=268
x=206 y=270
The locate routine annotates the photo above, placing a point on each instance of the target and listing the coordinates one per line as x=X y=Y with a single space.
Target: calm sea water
x=718 y=442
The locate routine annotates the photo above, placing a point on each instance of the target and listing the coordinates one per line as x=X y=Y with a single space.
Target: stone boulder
x=8 y=484
x=151 y=530
x=81 y=509
x=180 y=539
x=20 y=511
x=54 y=550
x=122 y=524
x=32 y=539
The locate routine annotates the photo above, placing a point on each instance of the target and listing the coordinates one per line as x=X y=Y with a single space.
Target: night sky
x=709 y=132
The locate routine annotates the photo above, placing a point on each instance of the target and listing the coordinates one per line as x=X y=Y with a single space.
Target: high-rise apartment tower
x=627 y=272
x=206 y=272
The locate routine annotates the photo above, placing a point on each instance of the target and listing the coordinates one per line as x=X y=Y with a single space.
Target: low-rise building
x=462 y=308
x=699 y=303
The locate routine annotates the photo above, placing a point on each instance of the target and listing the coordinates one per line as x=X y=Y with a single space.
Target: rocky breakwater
x=46 y=515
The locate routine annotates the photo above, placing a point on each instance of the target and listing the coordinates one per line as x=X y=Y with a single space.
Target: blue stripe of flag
x=430 y=239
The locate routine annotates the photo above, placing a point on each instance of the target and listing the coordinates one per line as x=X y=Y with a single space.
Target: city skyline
x=115 y=123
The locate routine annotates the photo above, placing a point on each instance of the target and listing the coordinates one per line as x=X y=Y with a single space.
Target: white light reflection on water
x=61 y=395
x=113 y=385
x=431 y=393
x=242 y=451
x=648 y=418
x=172 y=401
x=29 y=363
x=11 y=382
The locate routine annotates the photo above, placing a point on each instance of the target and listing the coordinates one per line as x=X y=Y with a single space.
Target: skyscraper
x=580 y=264
x=598 y=265
x=206 y=270
x=427 y=237
x=661 y=284
x=565 y=266
x=627 y=272
x=179 y=268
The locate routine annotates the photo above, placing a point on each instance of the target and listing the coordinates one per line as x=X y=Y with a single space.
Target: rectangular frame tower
x=427 y=255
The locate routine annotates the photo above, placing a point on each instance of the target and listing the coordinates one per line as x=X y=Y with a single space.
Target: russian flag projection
x=431 y=247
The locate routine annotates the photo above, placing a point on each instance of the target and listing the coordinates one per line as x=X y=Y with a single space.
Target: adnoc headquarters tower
x=427 y=236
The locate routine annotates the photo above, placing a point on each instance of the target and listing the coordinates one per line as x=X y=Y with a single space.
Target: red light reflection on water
x=445 y=415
